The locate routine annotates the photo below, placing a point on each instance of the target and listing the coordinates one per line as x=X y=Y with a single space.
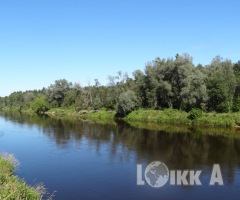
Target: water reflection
x=180 y=148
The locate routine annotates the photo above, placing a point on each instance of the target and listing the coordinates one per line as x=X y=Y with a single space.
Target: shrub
x=195 y=114
x=127 y=103
x=40 y=105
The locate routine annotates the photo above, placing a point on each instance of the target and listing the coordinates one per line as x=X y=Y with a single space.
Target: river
x=77 y=159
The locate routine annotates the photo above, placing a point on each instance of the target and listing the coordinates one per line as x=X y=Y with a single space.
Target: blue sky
x=45 y=40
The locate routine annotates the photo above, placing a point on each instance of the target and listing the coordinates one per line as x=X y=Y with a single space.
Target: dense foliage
x=165 y=83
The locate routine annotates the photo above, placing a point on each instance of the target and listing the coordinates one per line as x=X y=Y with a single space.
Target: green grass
x=159 y=116
x=12 y=188
x=171 y=116
x=83 y=114
x=167 y=116
x=220 y=119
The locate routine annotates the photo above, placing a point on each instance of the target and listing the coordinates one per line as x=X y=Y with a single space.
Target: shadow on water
x=179 y=147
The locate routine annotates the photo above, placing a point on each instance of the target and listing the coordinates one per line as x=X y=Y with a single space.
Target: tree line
x=165 y=83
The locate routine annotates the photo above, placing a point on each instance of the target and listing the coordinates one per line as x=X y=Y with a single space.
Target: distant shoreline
x=167 y=116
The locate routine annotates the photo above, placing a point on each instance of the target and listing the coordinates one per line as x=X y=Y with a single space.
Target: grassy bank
x=167 y=116
x=11 y=188
x=83 y=114
x=170 y=116
x=159 y=116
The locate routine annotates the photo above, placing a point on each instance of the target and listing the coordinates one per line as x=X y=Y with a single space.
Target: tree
x=40 y=105
x=58 y=91
x=140 y=87
x=221 y=85
x=127 y=103
x=236 y=100
x=70 y=98
x=116 y=85
x=28 y=98
x=165 y=83
x=174 y=83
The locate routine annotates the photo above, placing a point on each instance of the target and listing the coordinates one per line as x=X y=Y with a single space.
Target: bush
x=40 y=105
x=127 y=103
x=195 y=114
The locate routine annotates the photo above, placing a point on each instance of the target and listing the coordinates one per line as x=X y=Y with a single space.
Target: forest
x=174 y=83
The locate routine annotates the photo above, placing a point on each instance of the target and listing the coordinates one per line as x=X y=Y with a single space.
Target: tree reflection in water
x=179 y=147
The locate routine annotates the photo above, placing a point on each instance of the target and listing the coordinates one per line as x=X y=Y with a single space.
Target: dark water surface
x=86 y=160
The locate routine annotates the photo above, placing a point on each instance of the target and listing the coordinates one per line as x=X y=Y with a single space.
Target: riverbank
x=167 y=116
x=83 y=114
x=170 y=116
x=11 y=187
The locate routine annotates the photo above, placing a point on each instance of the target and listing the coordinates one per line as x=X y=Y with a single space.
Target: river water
x=78 y=159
